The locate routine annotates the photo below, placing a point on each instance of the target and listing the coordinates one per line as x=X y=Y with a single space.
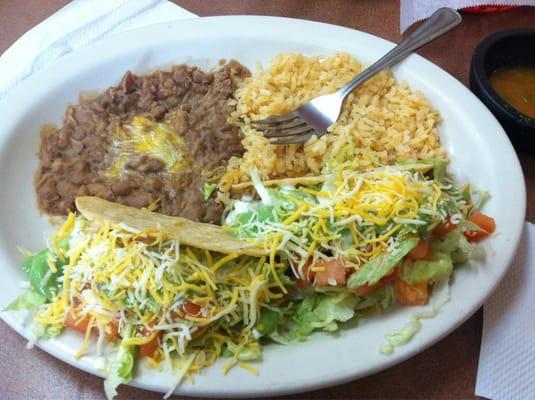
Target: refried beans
x=152 y=139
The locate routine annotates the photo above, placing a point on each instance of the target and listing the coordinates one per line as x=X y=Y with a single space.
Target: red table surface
x=448 y=369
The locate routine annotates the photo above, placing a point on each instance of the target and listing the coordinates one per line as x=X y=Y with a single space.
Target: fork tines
x=289 y=126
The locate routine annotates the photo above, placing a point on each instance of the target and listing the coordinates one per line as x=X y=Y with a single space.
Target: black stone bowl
x=506 y=49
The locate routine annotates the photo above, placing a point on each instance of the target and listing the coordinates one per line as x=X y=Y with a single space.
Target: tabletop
x=448 y=369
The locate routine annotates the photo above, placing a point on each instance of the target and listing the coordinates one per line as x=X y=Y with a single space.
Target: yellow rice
x=382 y=119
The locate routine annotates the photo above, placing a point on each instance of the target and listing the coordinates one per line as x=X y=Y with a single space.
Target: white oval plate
x=478 y=147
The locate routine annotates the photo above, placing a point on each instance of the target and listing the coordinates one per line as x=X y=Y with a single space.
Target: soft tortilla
x=187 y=232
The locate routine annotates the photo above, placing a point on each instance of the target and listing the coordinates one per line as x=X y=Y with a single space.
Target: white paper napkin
x=416 y=10
x=507 y=358
x=77 y=24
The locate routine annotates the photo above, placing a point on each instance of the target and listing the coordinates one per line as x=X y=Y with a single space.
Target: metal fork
x=314 y=117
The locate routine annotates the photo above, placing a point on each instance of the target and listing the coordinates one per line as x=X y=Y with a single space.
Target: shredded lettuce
x=249 y=223
x=333 y=309
x=439 y=168
x=250 y=352
x=45 y=331
x=284 y=198
x=382 y=297
x=42 y=279
x=436 y=164
x=27 y=262
x=252 y=218
x=29 y=300
x=260 y=188
x=482 y=198
x=316 y=312
x=346 y=153
x=467 y=225
x=121 y=369
x=448 y=243
x=427 y=271
x=40 y=331
x=208 y=189
x=379 y=266
x=465 y=251
x=458 y=247
x=285 y=279
x=268 y=321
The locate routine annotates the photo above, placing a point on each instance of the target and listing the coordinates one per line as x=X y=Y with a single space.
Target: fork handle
x=442 y=21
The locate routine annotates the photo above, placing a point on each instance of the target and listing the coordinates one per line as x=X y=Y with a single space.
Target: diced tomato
x=190 y=308
x=77 y=324
x=309 y=277
x=302 y=283
x=149 y=349
x=444 y=228
x=421 y=251
x=334 y=271
x=411 y=295
x=486 y=223
x=112 y=329
x=187 y=308
x=80 y=325
x=367 y=289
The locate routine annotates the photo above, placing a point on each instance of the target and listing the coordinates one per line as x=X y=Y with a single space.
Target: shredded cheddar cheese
x=122 y=277
x=193 y=306
x=354 y=215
